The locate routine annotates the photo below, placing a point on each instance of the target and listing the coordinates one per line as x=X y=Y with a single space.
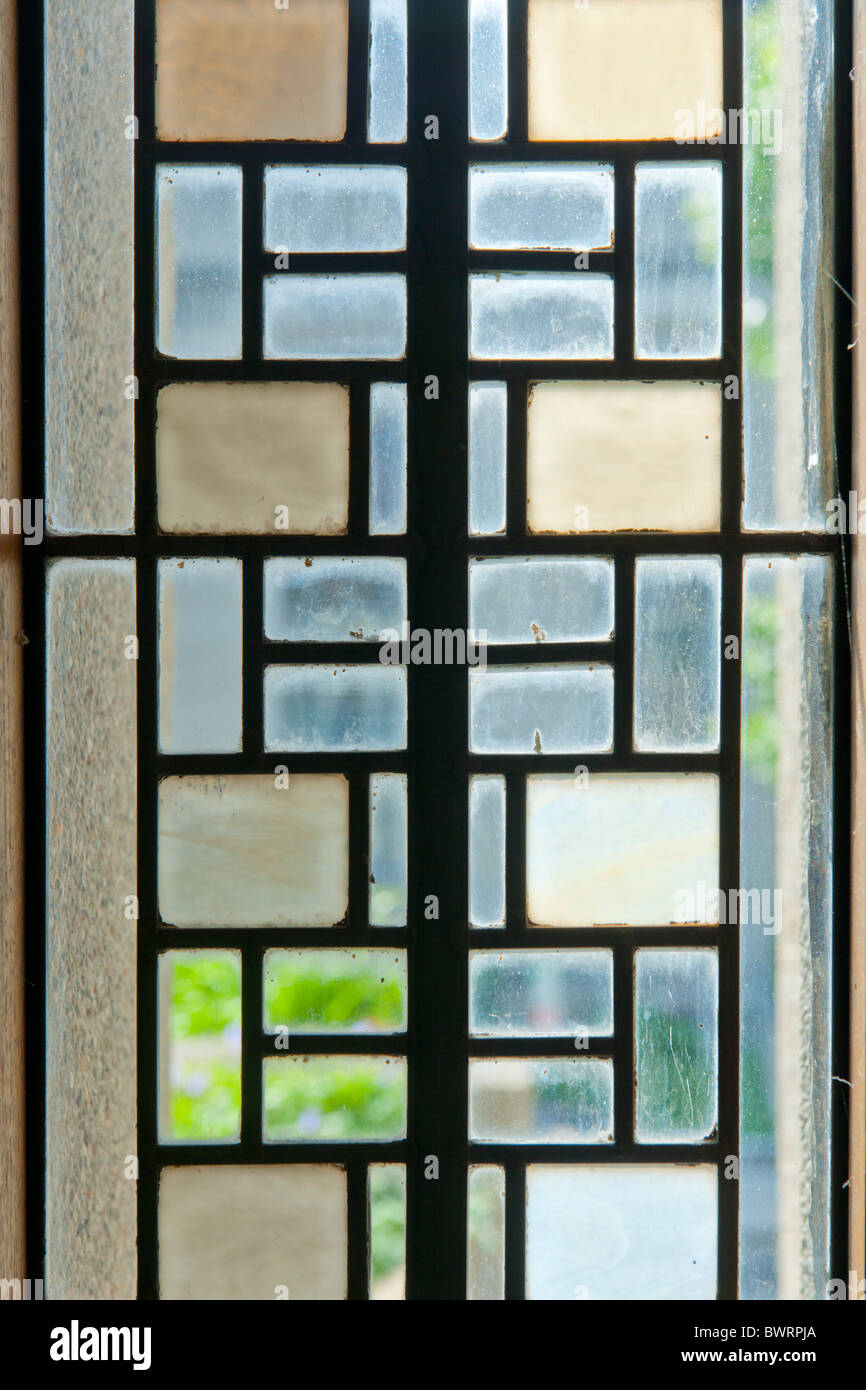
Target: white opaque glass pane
x=676 y=1008
x=487 y=851
x=488 y=69
x=678 y=260
x=530 y=599
x=541 y=709
x=539 y=315
x=387 y=116
x=344 y=317
x=200 y=656
x=677 y=650
x=335 y=991
x=198 y=209
x=324 y=600
x=488 y=434
x=335 y=709
x=537 y=994
x=335 y=207
x=389 y=811
x=334 y=1099
x=389 y=445
x=541 y=1100
x=485 y=1254
x=541 y=207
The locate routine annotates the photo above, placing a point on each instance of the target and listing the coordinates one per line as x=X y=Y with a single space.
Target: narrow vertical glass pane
x=199 y=1046
x=198 y=209
x=487 y=851
x=677 y=652
x=200 y=656
x=485 y=1254
x=386 y=1189
x=389 y=433
x=488 y=69
x=676 y=1008
x=488 y=432
x=678 y=253
x=389 y=811
x=387 y=115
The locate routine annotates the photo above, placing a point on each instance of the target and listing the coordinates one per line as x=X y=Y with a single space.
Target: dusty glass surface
x=198 y=301
x=541 y=1100
x=389 y=447
x=335 y=709
x=487 y=851
x=200 y=656
x=541 y=709
x=387 y=101
x=386 y=1214
x=678 y=260
x=335 y=207
x=537 y=994
x=485 y=1255
x=199 y=1046
x=340 y=317
x=488 y=436
x=335 y=991
x=318 y=599
x=540 y=315
x=677 y=653
x=488 y=69
x=389 y=847
x=676 y=1015
x=539 y=599
x=334 y=1099
x=541 y=207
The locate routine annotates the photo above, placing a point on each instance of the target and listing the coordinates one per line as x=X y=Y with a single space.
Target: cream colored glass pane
x=230 y=456
x=624 y=69
x=624 y=456
x=248 y=70
x=253 y=1233
x=240 y=851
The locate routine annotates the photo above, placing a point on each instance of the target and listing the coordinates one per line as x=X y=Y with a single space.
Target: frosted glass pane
x=334 y=991
x=200 y=1046
x=540 y=315
x=585 y=54
x=241 y=851
x=332 y=1099
x=541 y=207
x=344 y=317
x=335 y=207
x=621 y=1233
x=677 y=651
x=620 y=847
x=324 y=600
x=236 y=458
x=200 y=656
x=386 y=1195
x=541 y=1100
x=487 y=851
x=676 y=1009
x=488 y=433
x=485 y=1256
x=488 y=69
x=198 y=209
x=335 y=709
x=387 y=115
x=537 y=994
x=678 y=260
x=389 y=832
x=529 y=599
x=541 y=709
x=660 y=441
x=389 y=446
x=253 y=1232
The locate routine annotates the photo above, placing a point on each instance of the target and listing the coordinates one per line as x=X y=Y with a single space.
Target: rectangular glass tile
x=538 y=994
x=677 y=653
x=198 y=211
x=488 y=434
x=532 y=314
x=533 y=599
x=335 y=991
x=541 y=709
x=334 y=1099
x=676 y=1013
x=488 y=69
x=199 y=1046
x=660 y=440
x=389 y=447
x=487 y=851
x=541 y=1100
x=335 y=709
x=339 y=317
x=621 y=848
x=335 y=207
x=386 y=1195
x=678 y=260
x=387 y=120
x=389 y=848
x=253 y=850
x=622 y=1233
x=485 y=1256
x=200 y=656
x=541 y=207
x=341 y=600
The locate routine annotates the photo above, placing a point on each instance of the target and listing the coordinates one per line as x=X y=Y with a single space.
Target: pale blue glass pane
x=488 y=69
x=537 y=994
x=539 y=315
x=677 y=652
x=200 y=656
x=541 y=207
x=389 y=432
x=541 y=709
x=678 y=260
x=389 y=812
x=541 y=1100
x=198 y=212
x=485 y=1253
x=335 y=709
x=676 y=1009
x=530 y=599
x=487 y=851
x=200 y=1046
x=335 y=991
x=329 y=1099
x=319 y=317
x=488 y=433
x=339 y=600
x=386 y=116
x=335 y=207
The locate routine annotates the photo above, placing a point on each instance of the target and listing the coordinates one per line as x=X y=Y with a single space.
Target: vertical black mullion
x=252 y=238
x=624 y=621
x=358 y=1270
x=359 y=454
x=359 y=850
x=253 y=674
x=252 y=1025
x=624 y=260
x=515 y=477
x=515 y=1230
x=518 y=71
x=624 y=1031
x=515 y=855
x=359 y=62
